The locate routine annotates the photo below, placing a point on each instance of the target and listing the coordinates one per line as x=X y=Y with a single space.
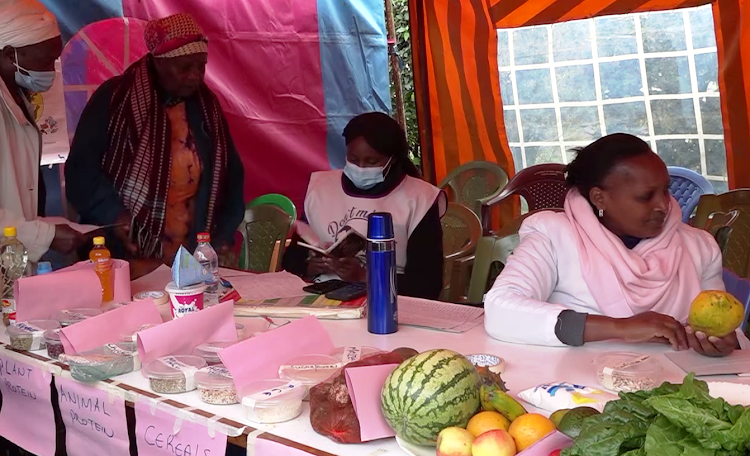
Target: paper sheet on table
x=154 y=281
x=438 y=315
x=689 y=361
x=269 y=286
x=76 y=226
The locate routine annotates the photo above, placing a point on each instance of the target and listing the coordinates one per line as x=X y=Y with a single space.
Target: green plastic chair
x=474 y=183
x=461 y=230
x=490 y=252
x=264 y=231
x=275 y=199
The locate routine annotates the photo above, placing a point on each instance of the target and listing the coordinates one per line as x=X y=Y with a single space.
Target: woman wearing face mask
x=378 y=177
x=29 y=45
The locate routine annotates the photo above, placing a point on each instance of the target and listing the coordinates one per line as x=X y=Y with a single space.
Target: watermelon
x=428 y=393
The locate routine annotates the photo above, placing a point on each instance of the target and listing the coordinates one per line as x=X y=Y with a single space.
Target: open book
x=350 y=242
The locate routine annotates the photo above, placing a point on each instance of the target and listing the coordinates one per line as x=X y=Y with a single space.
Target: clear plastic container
x=272 y=401
x=309 y=370
x=347 y=355
x=68 y=317
x=29 y=335
x=102 y=363
x=240 y=331
x=132 y=336
x=215 y=385
x=210 y=351
x=174 y=374
x=53 y=342
x=627 y=372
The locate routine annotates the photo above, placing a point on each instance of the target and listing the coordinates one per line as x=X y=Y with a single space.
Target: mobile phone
x=322 y=288
x=349 y=292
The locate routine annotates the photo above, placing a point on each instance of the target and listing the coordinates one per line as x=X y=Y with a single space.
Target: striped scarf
x=139 y=157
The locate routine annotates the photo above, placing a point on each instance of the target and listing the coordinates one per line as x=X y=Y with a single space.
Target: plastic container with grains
x=215 y=385
x=210 y=351
x=54 y=344
x=309 y=370
x=627 y=372
x=68 y=317
x=102 y=363
x=29 y=335
x=272 y=401
x=174 y=374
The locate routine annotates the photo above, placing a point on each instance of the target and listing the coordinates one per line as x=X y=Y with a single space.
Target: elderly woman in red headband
x=153 y=154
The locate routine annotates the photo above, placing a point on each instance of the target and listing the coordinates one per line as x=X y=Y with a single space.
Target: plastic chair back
x=514 y=225
x=277 y=200
x=708 y=204
x=732 y=232
x=687 y=186
x=473 y=183
x=461 y=231
x=264 y=232
x=542 y=186
x=740 y=289
x=490 y=251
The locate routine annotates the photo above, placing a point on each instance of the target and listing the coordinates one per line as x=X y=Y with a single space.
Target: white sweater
x=20 y=146
x=543 y=277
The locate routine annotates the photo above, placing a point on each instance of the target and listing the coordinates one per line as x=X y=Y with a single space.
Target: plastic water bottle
x=382 y=305
x=207 y=257
x=44 y=267
x=14 y=260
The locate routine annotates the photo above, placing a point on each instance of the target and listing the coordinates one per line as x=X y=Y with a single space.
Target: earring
x=601 y=213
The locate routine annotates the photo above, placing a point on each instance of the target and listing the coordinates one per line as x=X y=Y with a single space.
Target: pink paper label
x=156 y=436
x=26 y=417
x=94 y=423
x=265 y=447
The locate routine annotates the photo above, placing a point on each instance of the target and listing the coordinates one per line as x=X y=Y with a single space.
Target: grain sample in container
x=309 y=370
x=210 y=351
x=54 y=343
x=216 y=386
x=29 y=335
x=174 y=374
x=628 y=372
x=272 y=401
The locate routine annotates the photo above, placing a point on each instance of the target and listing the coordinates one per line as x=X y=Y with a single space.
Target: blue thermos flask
x=382 y=305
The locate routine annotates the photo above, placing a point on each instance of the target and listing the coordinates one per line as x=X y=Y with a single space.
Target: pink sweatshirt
x=568 y=260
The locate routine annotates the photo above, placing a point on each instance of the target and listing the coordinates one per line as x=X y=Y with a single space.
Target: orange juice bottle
x=102 y=260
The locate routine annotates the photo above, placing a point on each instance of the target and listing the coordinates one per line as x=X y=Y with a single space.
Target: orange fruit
x=530 y=428
x=487 y=421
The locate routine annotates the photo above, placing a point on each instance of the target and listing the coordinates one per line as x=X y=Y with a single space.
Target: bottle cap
x=10 y=231
x=43 y=267
x=380 y=226
x=204 y=237
x=99 y=240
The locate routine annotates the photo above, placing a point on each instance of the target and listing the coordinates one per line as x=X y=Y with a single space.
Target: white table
x=526 y=366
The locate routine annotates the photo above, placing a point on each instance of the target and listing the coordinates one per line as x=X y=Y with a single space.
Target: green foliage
x=672 y=420
x=403 y=47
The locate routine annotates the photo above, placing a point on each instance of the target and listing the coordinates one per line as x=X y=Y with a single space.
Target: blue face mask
x=36 y=81
x=365 y=178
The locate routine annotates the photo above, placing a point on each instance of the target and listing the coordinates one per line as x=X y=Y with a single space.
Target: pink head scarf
x=656 y=275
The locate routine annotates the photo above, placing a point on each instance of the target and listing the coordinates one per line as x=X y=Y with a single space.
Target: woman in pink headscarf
x=618 y=263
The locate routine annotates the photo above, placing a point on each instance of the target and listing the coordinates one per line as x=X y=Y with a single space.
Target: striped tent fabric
x=456 y=72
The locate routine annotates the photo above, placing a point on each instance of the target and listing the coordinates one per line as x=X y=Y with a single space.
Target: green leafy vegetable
x=671 y=420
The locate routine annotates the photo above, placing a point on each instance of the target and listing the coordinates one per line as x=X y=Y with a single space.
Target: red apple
x=496 y=442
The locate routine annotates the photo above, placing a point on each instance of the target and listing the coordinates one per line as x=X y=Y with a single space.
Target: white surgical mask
x=365 y=178
x=36 y=81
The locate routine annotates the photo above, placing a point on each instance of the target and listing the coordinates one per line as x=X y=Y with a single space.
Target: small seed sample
x=169 y=385
x=54 y=350
x=218 y=396
x=21 y=343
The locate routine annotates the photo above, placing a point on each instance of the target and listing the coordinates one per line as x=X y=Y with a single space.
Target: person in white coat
x=30 y=43
x=618 y=263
